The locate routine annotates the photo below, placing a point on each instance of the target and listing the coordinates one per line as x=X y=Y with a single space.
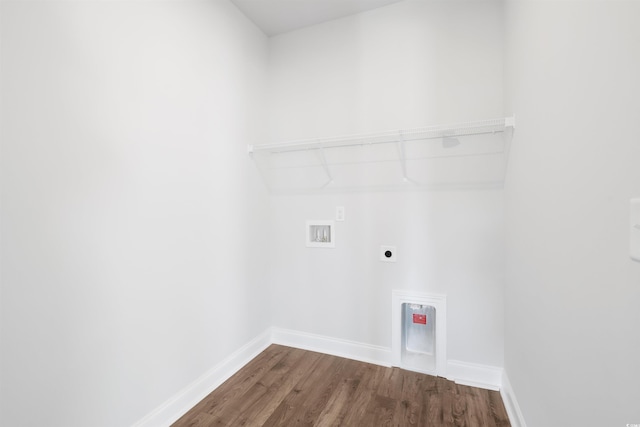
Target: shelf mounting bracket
x=325 y=165
x=403 y=162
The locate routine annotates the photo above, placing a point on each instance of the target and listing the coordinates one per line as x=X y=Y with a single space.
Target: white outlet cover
x=386 y=257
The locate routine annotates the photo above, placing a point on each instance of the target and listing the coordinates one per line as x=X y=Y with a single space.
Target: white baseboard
x=336 y=347
x=511 y=403
x=483 y=376
x=187 y=398
x=475 y=375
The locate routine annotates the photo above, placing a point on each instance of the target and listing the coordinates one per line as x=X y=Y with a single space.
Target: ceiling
x=280 y=16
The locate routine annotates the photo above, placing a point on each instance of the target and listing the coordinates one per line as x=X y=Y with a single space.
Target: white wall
x=134 y=228
x=132 y=254
x=405 y=65
x=410 y=64
x=572 y=295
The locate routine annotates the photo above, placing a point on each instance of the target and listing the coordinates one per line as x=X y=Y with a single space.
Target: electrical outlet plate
x=388 y=253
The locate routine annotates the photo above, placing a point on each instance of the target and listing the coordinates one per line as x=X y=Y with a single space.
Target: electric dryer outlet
x=388 y=253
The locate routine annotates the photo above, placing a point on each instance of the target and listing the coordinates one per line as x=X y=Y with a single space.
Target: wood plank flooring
x=285 y=386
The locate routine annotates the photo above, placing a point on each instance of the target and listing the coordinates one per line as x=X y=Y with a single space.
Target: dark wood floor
x=284 y=386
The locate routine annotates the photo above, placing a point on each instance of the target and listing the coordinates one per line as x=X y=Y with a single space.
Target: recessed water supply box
x=419 y=332
x=418 y=337
x=321 y=234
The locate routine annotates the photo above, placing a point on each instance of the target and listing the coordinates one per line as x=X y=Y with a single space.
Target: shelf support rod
x=325 y=166
x=403 y=162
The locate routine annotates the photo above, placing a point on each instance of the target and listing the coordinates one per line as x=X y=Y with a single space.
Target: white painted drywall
x=406 y=65
x=572 y=292
x=410 y=64
x=132 y=236
x=281 y=16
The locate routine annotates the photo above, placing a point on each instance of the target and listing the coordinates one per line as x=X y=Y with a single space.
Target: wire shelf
x=472 y=154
